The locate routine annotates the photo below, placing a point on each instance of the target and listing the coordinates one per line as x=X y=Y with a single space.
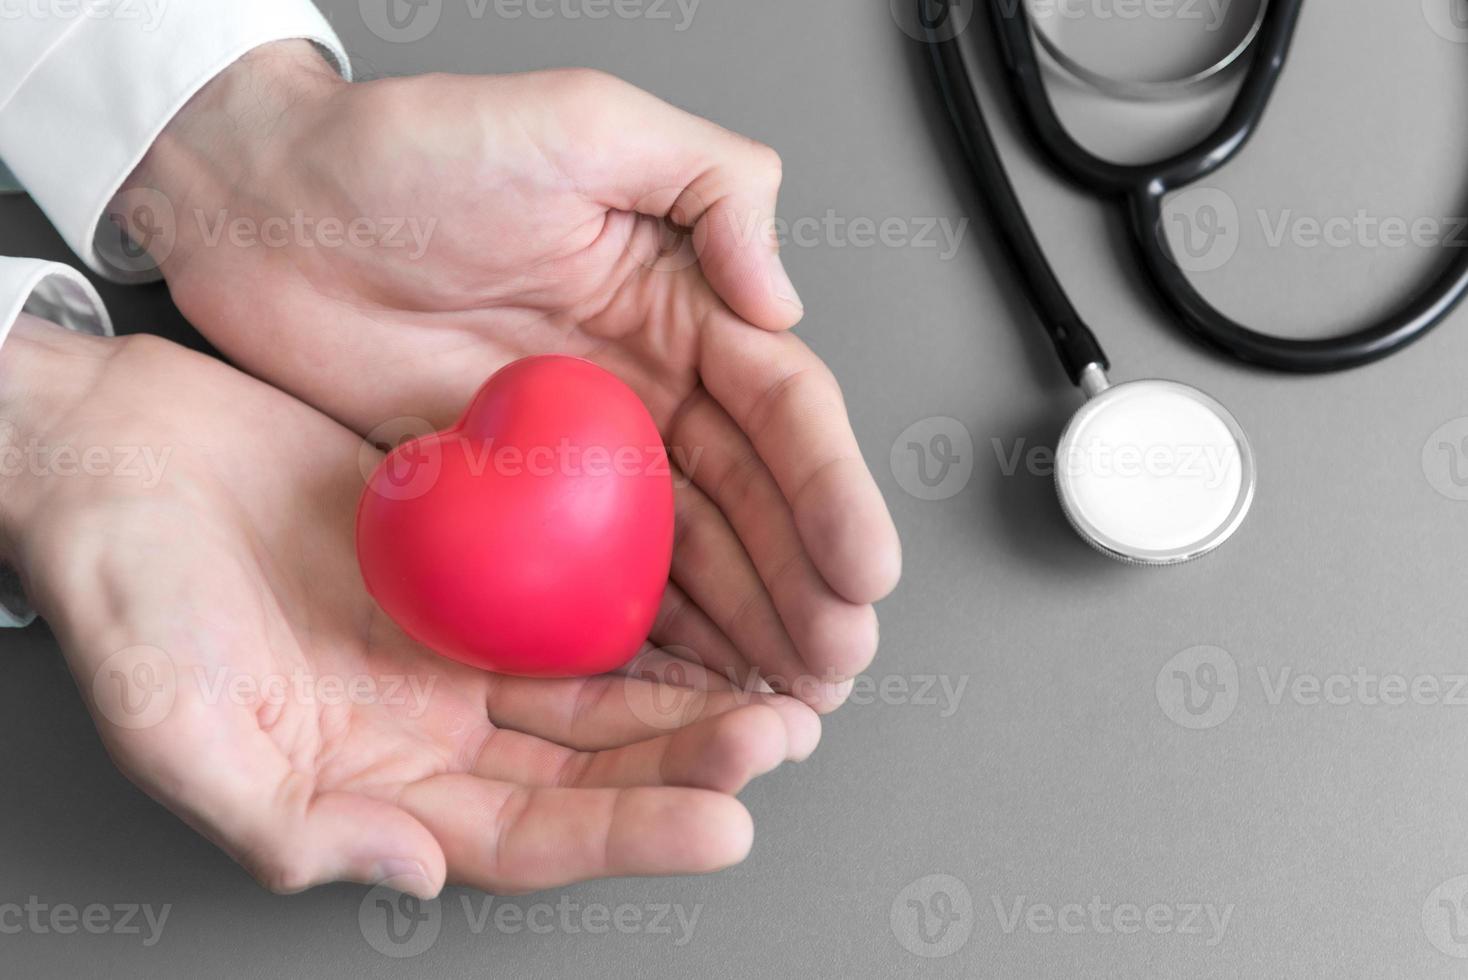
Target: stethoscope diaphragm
x=1154 y=472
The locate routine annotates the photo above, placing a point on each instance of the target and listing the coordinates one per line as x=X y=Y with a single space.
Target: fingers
x=682 y=625
x=504 y=838
x=834 y=638
x=788 y=403
x=348 y=837
x=722 y=754
x=652 y=158
x=594 y=713
x=712 y=567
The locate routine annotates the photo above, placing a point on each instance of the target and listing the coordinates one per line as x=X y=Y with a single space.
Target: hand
x=187 y=533
x=542 y=204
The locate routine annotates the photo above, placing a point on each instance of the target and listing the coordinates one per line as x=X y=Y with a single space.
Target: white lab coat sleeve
x=61 y=294
x=86 y=88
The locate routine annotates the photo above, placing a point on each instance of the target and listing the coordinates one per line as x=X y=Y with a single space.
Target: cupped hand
x=187 y=533
x=379 y=249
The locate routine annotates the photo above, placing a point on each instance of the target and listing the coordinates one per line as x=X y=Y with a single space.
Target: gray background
x=1058 y=775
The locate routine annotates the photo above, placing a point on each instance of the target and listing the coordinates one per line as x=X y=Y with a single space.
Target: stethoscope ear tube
x=1427 y=309
x=1143 y=188
x=1074 y=341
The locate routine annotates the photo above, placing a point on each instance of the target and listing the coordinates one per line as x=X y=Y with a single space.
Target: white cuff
x=82 y=101
x=53 y=292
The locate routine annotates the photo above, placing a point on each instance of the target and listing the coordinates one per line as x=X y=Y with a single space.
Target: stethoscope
x=1150 y=472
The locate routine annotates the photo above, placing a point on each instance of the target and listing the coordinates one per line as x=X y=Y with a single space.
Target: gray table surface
x=1044 y=776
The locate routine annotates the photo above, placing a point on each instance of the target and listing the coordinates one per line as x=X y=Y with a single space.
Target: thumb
x=347 y=837
x=648 y=157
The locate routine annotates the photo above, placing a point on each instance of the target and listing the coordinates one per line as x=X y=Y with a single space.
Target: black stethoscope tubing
x=1142 y=188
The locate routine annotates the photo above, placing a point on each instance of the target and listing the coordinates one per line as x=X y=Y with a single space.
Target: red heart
x=536 y=535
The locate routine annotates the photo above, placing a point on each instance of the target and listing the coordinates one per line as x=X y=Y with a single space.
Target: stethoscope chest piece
x=1154 y=472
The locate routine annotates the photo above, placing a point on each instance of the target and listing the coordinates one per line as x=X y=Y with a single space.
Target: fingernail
x=406 y=876
x=783 y=285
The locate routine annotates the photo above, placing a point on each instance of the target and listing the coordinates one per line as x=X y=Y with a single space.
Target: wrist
x=232 y=137
x=46 y=372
